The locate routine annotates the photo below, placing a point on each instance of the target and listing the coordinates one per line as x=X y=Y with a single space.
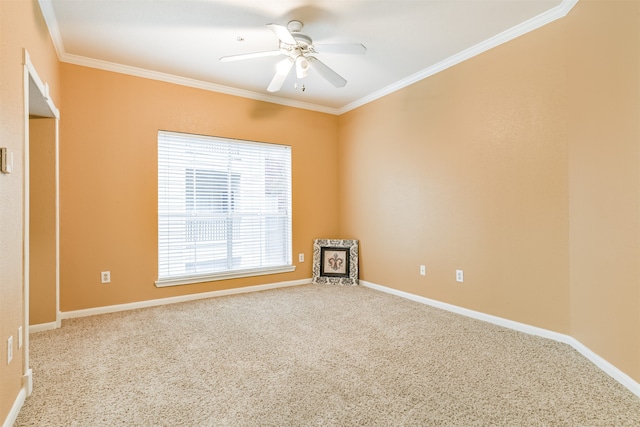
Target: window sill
x=187 y=280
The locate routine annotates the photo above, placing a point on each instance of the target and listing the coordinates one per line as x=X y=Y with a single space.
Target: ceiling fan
x=299 y=50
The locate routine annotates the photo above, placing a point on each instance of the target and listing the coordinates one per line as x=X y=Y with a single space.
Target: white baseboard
x=182 y=298
x=601 y=363
x=27 y=382
x=15 y=409
x=607 y=367
x=43 y=327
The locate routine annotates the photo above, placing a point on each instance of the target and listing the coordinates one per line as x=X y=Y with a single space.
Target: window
x=224 y=208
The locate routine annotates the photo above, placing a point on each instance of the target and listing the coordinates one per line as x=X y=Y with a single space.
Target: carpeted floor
x=312 y=355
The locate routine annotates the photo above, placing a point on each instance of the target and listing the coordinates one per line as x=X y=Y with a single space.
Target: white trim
x=237 y=274
x=26 y=75
x=43 y=88
x=49 y=15
x=188 y=82
x=607 y=367
x=27 y=382
x=30 y=74
x=185 y=81
x=522 y=327
x=536 y=22
x=12 y=416
x=182 y=298
x=57 y=214
x=25 y=391
x=40 y=327
x=601 y=363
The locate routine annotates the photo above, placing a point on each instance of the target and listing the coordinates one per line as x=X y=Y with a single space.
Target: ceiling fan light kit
x=302 y=67
x=300 y=51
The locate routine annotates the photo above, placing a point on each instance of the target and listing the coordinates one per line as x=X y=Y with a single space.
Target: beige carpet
x=312 y=355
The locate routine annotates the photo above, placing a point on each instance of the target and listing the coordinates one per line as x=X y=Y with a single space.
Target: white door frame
x=34 y=87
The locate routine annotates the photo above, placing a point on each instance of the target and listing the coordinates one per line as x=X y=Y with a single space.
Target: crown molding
x=46 y=7
x=48 y=13
x=545 y=18
x=534 y=23
x=184 y=81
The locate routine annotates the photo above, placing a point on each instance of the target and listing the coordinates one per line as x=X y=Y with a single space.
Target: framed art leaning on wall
x=335 y=262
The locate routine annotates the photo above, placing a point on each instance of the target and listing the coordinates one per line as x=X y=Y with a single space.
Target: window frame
x=225 y=274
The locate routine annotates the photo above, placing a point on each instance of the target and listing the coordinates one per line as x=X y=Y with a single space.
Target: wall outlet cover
x=105 y=277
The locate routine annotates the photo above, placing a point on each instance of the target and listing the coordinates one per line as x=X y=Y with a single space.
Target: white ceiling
x=182 y=40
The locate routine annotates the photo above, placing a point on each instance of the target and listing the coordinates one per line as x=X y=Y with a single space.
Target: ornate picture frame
x=335 y=262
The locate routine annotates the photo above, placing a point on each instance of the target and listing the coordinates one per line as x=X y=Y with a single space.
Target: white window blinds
x=224 y=208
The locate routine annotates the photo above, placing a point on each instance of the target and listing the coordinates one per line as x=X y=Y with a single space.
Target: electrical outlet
x=19 y=337
x=459 y=276
x=301 y=257
x=423 y=270
x=9 y=349
x=105 y=277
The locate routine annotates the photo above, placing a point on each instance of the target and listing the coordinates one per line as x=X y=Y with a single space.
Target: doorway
x=41 y=235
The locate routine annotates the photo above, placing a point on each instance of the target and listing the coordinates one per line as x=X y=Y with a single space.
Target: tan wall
x=108 y=178
x=604 y=133
x=42 y=232
x=467 y=170
x=21 y=26
x=519 y=166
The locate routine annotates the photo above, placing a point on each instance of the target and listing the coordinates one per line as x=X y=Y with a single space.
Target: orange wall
x=603 y=71
x=108 y=178
x=467 y=170
x=21 y=26
x=42 y=232
x=519 y=166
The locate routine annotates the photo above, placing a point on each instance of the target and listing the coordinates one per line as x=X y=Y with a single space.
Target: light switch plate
x=9 y=349
x=5 y=165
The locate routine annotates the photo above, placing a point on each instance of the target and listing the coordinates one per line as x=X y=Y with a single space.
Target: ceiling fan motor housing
x=302 y=39
x=295 y=26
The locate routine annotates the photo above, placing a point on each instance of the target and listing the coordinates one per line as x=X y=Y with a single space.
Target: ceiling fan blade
x=282 y=71
x=331 y=76
x=282 y=33
x=348 y=48
x=250 y=55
